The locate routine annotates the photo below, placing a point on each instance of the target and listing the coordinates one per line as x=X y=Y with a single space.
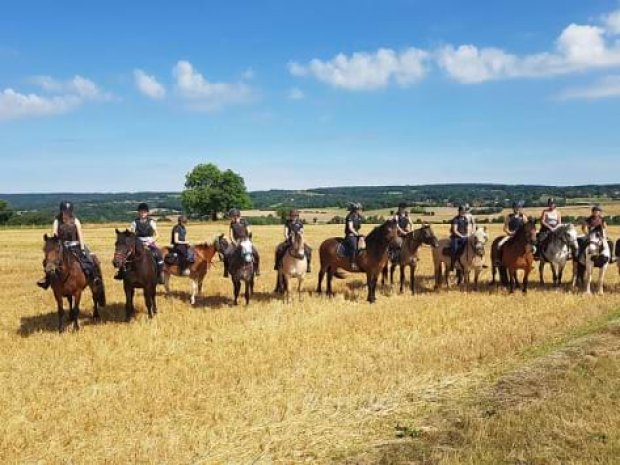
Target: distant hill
x=105 y=207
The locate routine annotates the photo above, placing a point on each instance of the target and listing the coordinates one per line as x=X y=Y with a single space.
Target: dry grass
x=316 y=381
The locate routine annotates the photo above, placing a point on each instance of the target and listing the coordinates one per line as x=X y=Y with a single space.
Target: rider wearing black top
x=459 y=231
x=292 y=225
x=238 y=231
x=353 y=223
x=180 y=244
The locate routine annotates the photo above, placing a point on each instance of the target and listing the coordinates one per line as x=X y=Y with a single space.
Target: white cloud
x=367 y=71
x=15 y=105
x=578 y=48
x=608 y=86
x=148 y=85
x=58 y=97
x=248 y=74
x=201 y=94
x=295 y=93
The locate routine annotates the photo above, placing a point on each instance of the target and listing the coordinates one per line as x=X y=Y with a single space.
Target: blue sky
x=127 y=96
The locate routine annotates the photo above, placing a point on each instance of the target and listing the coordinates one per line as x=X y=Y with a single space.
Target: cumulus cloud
x=201 y=94
x=148 y=85
x=57 y=97
x=608 y=86
x=367 y=71
x=577 y=48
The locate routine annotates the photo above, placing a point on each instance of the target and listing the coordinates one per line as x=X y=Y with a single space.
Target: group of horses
x=379 y=259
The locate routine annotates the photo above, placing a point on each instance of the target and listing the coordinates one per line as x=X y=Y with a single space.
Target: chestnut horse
x=203 y=254
x=517 y=254
x=68 y=280
x=407 y=255
x=371 y=261
x=139 y=271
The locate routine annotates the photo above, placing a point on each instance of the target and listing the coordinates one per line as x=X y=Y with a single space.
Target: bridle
x=294 y=248
x=125 y=258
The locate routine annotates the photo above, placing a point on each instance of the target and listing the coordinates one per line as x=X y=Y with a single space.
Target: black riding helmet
x=66 y=207
x=143 y=207
x=234 y=212
x=402 y=206
x=597 y=208
x=518 y=204
x=293 y=213
x=355 y=207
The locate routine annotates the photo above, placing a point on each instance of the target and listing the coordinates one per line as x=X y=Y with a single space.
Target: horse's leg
x=236 y=290
x=148 y=301
x=438 y=275
x=300 y=285
x=601 y=279
x=493 y=271
x=129 y=293
x=330 y=278
x=402 y=278
x=167 y=283
x=526 y=274
x=588 y=274
x=320 y=284
x=61 y=311
x=247 y=292
x=371 y=281
x=287 y=287
x=384 y=273
x=560 y=272
x=392 y=269
x=477 y=272
x=541 y=271
x=194 y=288
x=554 y=274
x=74 y=312
x=411 y=278
x=154 y=299
x=512 y=278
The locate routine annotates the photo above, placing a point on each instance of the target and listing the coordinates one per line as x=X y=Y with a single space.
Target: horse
x=240 y=265
x=139 y=271
x=617 y=254
x=68 y=280
x=407 y=255
x=597 y=254
x=203 y=254
x=561 y=245
x=517 y=254
x=371 y=260
x=294 y=264
x=471 y=259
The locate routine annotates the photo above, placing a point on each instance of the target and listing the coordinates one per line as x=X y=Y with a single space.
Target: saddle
x=345 y=250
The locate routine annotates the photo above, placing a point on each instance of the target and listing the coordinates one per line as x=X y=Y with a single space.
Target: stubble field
x=314 y=381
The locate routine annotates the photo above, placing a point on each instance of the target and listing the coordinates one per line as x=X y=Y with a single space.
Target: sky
x=129 y=96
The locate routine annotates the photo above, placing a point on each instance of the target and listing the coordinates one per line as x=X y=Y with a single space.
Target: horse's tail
x=100 y=288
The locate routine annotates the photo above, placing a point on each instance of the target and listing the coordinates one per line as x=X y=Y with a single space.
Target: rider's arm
x=584 y=227
x=455 y=230
x=155 y=232
x=133 y=227
x=351 y=229
x=506 y=228
x=559 y=219
x=231 y=236
x=248 y=230
x=80 y=235
x=55 y=227
x=543 y=220
x=286 y=232
x=177 y=241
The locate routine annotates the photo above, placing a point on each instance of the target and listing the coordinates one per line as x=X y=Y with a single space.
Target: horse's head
x=428 y=236
x=596 y=240
x=246 y=250
x=529 y=229
x=124 y=247
x=568 y=235
x=390 y=230
x=52 y=249
x=479 y=238
x=298 y=243
x=221 y=245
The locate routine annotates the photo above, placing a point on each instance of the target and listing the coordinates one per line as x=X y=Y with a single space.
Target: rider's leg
x=279 y=255
x=160 y=263
x=352 y=241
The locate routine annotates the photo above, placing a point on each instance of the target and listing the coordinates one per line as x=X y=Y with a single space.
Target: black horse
x=139 y=271
x=241 y=267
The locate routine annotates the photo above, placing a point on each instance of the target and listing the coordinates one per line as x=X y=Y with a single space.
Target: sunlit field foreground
x=314 y=381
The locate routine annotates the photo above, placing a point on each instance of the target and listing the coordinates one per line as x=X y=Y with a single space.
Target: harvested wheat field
x=406 y=380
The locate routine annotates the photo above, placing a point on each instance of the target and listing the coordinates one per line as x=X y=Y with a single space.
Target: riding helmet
x=518 y=204
x=233 y=212
x=551 y=201
x=402 y=206
x=355 y=206
x=597 y=208
x=182 y=219
x=66 y=206
x=294 y=212
x=143 y=207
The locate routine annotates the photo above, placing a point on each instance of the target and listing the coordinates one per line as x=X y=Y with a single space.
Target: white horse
x=472 y=259
x=596 y=254
x=562 y=244
x=294 y=264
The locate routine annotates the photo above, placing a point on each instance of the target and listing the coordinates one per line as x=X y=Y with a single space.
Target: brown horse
x=407 y=255
x=371 y=261
x=68 y=280
x=517 y=254
x=203 y=254
x=139 y=271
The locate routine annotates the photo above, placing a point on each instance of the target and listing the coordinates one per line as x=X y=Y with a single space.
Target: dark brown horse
x=203 y=255
x=139 y=271
x=407 y=255
x=516 y=254
x=241 y=267
x=69 y=281
x=371 y=261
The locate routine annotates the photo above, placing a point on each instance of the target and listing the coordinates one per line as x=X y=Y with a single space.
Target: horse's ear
x=117 y=231
x=484 y=228
x=45 y=237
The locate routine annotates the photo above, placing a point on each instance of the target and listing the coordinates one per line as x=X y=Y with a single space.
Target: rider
x=595 y=221
x=512 y=223
x=293 y=224
x=239 y=230
x=460 y=230
x=550 y=219
x=470 y=218
x=181 y=245
x=403 y=226
x=69 y=230
x=353 y=223
x=145 y=229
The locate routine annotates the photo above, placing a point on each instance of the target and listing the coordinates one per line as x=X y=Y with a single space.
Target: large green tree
x=209 y=191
